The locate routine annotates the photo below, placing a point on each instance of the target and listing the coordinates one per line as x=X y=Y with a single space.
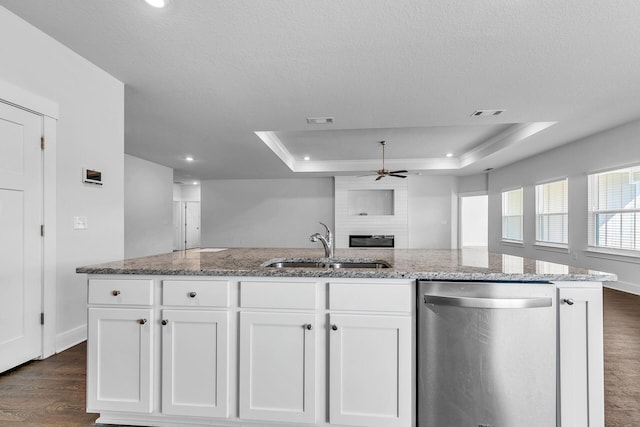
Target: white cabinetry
x=580 y=353
x=195 y=348
x=119 y=361
x=370 y=370
x=278 y=351
x=370 y=355
x=194 y=363
x=277 y=366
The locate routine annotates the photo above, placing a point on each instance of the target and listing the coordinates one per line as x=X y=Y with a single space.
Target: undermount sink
x=328 y=264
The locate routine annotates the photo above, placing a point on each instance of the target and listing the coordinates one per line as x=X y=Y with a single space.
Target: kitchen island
x=216 y=337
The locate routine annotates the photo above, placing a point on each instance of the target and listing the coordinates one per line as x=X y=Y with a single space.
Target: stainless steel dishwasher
x=486 y=354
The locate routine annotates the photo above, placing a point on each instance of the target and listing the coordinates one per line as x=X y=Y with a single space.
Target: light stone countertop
x=427 y=264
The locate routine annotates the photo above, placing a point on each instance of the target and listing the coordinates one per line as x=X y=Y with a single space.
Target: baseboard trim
x=68 y=339
x=631 y=288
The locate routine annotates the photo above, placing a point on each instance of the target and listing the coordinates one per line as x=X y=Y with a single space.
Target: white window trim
x=604 y=251
x=511 y=242
x=537 y=215
x=625 y=255
x=552 y=247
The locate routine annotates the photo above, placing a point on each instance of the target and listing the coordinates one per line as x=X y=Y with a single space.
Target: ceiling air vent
x=487 y=113
x=319 y=120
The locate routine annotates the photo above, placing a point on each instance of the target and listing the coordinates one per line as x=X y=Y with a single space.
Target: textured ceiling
x=202 y=76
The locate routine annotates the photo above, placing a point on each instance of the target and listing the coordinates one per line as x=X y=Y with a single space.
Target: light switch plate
x=80 y=223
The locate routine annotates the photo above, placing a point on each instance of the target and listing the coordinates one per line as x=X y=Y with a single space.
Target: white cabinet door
x=195 y=353
x=581 y=382
x=278 y=367
x=119 y=362
x=370 y=370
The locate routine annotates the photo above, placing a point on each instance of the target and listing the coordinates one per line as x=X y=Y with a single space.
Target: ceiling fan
x=386 y=172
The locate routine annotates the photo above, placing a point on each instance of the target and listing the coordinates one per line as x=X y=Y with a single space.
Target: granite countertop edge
x=446 y=265
x=351 y=274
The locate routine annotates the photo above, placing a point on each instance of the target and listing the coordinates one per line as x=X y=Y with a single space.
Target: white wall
x=148 y=208
x=186 y=193
x=614 y=148
x=433 y=212
x=265 y=213
x=285 y=212
x=90 y=133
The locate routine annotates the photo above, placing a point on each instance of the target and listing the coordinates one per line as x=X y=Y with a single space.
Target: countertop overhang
x=425 y=264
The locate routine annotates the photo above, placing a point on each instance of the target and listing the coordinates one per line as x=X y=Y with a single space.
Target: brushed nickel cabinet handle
x=569 y=301
x=142 y=321
x=192 y=294
x=308 y=326
x=334 y=327
x=164 y=321
x=115 y=293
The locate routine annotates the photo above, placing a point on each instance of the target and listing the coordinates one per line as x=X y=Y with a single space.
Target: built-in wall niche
x=385 y=203
x=370 y=202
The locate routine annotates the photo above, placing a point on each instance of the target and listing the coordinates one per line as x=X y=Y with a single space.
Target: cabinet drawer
x=121 y=292
x=300 y=295
x=198 y=293
x=370 y=297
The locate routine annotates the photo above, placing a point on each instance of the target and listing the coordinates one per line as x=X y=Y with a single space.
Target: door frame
x=48 y=111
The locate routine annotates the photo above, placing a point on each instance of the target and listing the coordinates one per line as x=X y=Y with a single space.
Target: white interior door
x=474 y=221
x=21 y=248
x=192 y=225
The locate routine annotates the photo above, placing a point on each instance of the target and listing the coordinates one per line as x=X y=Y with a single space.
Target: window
x=512 y=215
x=552 y=213
x=614 y=209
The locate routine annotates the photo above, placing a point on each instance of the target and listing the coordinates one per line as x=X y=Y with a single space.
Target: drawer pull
x=308 y=326
x=192 y=294
x=569 y=301
x=115 y=293
x=334 y=327
x=164 y=322
x=142 y=321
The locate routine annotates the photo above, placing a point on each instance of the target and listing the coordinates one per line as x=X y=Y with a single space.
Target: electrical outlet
x=80 y=223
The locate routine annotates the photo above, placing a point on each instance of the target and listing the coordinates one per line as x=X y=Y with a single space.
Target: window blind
x=512 y=215
x=614 y=209
x=552 y=212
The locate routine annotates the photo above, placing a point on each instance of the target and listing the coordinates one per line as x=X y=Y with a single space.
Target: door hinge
x=42 y=142
x=42 y=318
x=42 y=230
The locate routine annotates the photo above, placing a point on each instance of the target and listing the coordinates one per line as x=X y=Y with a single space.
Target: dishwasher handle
x=475 y=302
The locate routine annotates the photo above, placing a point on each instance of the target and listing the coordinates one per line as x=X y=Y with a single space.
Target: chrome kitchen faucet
x=327 y=241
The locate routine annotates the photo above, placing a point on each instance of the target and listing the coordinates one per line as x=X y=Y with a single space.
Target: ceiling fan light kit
x=381 y=173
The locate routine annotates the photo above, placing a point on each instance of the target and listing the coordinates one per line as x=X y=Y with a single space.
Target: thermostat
x=91 y=176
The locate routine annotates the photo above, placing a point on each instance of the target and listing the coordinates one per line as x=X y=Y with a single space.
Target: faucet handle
x=326 y=228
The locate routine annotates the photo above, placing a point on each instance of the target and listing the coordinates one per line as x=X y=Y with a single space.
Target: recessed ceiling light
x=307 y=158
x=195 y=182
x=449 y=154
x=189 y=158
x=319 y=120
x=157 y=3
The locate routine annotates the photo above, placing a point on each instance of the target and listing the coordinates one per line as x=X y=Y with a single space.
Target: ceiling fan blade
x=402 y=171
x=379 y=177
x=398 y=176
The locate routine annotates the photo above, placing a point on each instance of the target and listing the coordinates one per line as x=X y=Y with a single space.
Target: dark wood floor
x=51 y=392
x=48 y=392
x=621 y=359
